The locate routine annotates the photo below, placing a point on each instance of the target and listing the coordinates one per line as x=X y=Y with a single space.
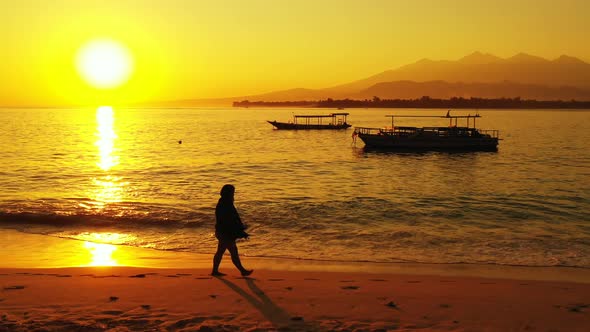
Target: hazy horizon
x=197 y=50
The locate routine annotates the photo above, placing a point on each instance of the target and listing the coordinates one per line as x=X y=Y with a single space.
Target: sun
x=104 y=63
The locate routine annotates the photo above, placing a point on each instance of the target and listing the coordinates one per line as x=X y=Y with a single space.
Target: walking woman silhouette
x=228 y=228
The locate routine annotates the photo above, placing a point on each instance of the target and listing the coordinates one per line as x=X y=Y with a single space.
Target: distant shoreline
x=424 y=102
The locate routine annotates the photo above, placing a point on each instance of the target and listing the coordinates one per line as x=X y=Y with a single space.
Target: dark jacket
x=228 y=225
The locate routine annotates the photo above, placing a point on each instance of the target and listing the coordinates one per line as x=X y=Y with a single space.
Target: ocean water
x=120 y=176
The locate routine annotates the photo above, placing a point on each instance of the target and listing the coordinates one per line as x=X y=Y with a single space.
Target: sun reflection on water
x=106 y=138
x=101 y=254
x=109 y=187
x=101 y=251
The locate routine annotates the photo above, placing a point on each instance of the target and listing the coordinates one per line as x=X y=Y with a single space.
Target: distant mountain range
x=475 y=75
x=446 y=90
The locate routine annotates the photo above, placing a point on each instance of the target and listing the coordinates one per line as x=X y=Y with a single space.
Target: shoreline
x=54 y=252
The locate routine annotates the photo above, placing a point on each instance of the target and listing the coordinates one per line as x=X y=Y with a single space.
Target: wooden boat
x=451 y=137
x=304 y=122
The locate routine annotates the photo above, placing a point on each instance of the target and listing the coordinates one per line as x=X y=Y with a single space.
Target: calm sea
x=122 y=177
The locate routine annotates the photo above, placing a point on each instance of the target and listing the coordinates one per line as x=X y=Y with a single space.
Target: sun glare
x=104 y=63
x=106 y=137
x=102 y=254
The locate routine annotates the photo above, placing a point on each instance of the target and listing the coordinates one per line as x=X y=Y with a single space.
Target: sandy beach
x=285 y=295
x=143 y=299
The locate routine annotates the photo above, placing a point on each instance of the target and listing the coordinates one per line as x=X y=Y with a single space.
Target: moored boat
x=304 y=122
x=450 y=137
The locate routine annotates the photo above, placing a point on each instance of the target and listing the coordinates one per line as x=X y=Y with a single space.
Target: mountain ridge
x=446 y=90
x=563 y=76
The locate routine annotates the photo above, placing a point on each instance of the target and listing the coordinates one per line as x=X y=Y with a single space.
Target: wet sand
x=174 y=292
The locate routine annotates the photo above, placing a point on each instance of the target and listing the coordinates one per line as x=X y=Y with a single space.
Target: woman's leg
x=235 y=258
x=221 y=247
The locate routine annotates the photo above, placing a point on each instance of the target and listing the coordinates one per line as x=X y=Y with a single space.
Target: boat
x=451 y=137
x=303 y=122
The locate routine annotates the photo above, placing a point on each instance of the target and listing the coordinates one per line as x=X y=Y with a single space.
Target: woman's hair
x=227 y=190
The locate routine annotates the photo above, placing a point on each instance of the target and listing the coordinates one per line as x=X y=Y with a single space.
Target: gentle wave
x=23 y=220
x=349 y=240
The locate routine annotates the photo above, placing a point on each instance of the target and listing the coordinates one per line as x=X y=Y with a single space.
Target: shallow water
x=122 y=177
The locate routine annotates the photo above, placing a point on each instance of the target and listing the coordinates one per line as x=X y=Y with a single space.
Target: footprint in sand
x=63 y=276
x=181 y=324
x=276 y=279
x=391 y=304
x=146 y=306
x=184 y=274
x=289 y=288
x=203 y=278
x=113 y=298
x=377 y=280
x=138 y=276
x=444 y=305
x=213 y=296
x=350 y=287
x=14 y=287
x=112 y=312
x=111 y=276
x=577 y=307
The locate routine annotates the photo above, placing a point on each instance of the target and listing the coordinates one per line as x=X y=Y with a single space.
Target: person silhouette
x=228 y=228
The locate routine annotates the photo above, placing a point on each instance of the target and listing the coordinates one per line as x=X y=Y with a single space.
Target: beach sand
x=288 y=295
x=144 y=299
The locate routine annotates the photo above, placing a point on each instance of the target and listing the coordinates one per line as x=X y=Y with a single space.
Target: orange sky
x=199 y=49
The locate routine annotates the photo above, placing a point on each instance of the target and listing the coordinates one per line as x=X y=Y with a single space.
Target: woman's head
x=227 y=191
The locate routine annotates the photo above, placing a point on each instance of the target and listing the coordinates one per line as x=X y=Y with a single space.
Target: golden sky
x=198 y=49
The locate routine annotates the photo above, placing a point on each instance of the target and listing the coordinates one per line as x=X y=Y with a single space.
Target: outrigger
x=337 y=121
x=452 y=137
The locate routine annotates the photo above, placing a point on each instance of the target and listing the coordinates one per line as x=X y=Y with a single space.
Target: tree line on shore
x=424 y=102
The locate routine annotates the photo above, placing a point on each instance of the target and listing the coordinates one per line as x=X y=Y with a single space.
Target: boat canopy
x=331 y=115
x=448 y=116
x=337 y=118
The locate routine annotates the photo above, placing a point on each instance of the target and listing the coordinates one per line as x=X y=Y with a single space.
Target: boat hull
x=390 y=142
x=296 y=126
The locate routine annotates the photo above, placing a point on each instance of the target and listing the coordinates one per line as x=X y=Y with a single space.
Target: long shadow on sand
x=277 y=316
